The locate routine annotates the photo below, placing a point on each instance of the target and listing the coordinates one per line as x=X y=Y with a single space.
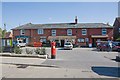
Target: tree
x=118 y=39
x=2 y=33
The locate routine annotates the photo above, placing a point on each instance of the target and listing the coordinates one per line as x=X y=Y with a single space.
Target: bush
x=28 y=51
x=43 y=51
x=40 y=51
x=118 y=39
x=17 y=50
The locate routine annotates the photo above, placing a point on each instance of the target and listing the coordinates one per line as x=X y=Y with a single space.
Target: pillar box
x=53 y=50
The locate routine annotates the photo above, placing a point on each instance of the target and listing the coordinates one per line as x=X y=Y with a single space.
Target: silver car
x=68 y=45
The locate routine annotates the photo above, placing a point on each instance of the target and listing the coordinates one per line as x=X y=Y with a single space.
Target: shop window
x=81 y=40
x=86 y=40
x=43 y=40
x=8 y=42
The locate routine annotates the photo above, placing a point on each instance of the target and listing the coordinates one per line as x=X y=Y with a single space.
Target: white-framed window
x=53 y=32
x=84 y=31
x=40 y=31
x=119 y=30
x=104 y=31
x=81 y=40
x=22 y=32
x=69 y=32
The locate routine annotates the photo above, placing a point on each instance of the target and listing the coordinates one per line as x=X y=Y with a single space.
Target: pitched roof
x=63 y=25
x=118 y=18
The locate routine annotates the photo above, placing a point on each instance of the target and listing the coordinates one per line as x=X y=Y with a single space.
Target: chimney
x=76 y=20
x=108 y=23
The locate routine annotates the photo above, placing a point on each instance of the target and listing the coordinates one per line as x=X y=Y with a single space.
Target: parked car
x=68 y=45
x=102 y=47
x=20 y=44
x=116 y=46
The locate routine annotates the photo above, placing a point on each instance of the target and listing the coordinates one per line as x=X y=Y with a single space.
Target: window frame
x=84 y=31
x=81 y=40
x=69 y=32
x=22 y=32
x=43 y=40
x=53 y=32
x=40 y=31
x=104 y=30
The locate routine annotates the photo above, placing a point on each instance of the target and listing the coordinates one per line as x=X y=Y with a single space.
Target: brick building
x=116 y=29
x=78 y=33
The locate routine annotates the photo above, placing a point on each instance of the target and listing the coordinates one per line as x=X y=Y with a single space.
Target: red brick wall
x=34 y=36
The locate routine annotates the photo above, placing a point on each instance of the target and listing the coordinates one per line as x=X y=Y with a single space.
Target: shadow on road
x=63 y=49
x=107 y=71
x=35 y=65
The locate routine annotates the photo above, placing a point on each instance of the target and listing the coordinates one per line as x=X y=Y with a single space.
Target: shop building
x=81 y=34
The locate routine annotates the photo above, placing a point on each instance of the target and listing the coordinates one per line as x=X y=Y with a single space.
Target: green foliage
x=2 y=33
x=40 y=51
x=118 y=39
x=28 y=51
x=17 y=50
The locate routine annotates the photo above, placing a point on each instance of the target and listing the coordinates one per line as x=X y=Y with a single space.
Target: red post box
x=53 y=50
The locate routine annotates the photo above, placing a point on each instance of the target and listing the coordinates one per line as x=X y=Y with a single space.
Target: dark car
x=116 y=46
x=102 y=47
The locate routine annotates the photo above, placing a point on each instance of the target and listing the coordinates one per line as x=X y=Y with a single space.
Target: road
x=76 y=63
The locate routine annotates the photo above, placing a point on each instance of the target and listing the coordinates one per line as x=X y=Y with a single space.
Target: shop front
x=60 y=40
x=22 y=39
x=98 y=38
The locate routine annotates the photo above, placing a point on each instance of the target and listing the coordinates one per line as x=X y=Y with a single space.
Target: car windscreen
x=67 y=44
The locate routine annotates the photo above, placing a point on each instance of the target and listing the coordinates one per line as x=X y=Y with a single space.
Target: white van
x=20 y=44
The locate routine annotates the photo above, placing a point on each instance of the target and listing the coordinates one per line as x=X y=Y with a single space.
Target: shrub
x=17 y=50
x=40 y=51
x=43 y=51
x=28 y=51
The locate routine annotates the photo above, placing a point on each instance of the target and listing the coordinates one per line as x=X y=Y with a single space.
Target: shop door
x=62 y=43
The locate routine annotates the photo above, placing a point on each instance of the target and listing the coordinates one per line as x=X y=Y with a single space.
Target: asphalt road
x=76 y=63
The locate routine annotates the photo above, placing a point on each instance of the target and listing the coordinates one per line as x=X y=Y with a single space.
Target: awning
x=99 y=36
x=61 y=37
x=21 y=36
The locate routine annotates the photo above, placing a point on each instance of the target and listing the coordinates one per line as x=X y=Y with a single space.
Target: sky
x=20 y=13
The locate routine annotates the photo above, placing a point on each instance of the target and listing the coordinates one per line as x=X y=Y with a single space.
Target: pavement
x=76 y=63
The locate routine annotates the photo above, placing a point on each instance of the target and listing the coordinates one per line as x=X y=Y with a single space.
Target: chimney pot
x=76 y=20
